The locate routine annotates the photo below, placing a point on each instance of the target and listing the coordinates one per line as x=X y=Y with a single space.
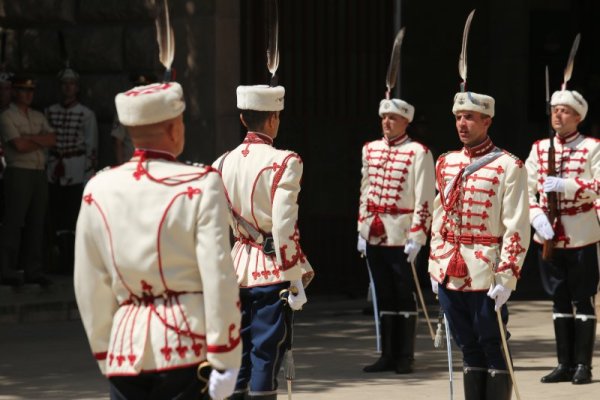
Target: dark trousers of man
x=474 y=326
x=176 y=384
x=64 y=204
x=264 y=335
x=394 y=291
x=571 y=279
x=26 y=196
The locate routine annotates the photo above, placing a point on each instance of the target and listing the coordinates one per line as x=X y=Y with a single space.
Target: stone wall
x=107 y=40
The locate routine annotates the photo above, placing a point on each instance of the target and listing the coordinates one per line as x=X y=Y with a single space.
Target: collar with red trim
x=149 y=154
x=396 y=141
x=258 y=138
x=567 y=138
x=479 y=150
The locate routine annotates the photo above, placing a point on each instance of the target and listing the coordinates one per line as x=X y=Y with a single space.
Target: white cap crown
x=471 y=101
x=396 y=106
x=572 y=99
x=260 y=98
x=145 y=105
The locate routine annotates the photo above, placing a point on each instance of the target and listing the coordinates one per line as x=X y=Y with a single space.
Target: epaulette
x=108 y=167
x=195 y=164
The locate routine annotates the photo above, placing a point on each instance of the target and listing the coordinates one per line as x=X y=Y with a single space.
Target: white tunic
x=262 y=185
x=577 y=160
x=73 y=159
x=154 y=281
x=487 y=228
x=396 y=192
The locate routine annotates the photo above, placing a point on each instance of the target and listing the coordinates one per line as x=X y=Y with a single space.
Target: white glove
x=361 y=245
x=542 y=226
x=500 y=294
x=554 y=184
x=222 y=385
x=434 y=285
x=412 y=249
x=297 y=301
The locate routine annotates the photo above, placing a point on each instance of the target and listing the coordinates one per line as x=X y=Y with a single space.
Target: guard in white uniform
x=262 y=185
x=396 y=202
x=571 y=277
x=154 y=281
x=71 y=163
x=479 y=239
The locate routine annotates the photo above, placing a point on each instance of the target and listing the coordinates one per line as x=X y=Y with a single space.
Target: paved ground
x=51 y=360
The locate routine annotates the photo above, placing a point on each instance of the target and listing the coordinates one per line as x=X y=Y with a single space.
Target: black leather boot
x=585 y=333
x=8 y=273
x=474 y=382
x=564 y=333
x=388 y=338
x=407 y=332
x=498 y=385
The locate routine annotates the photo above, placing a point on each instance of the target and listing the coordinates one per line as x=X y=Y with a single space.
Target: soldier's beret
x=23 y=82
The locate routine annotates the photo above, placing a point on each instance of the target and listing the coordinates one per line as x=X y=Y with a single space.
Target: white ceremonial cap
x=260 y=98
x=145 y=105
x=396 y=106
x=68 y=73
x=470 y=101
x=572 y=99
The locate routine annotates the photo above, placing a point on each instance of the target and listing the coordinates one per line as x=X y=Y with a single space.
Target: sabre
x=420 y=293
x=449 y=349
x=375 y=305
x=462 y=59
x=507 y=354
x=289 y=369
x=203 y=373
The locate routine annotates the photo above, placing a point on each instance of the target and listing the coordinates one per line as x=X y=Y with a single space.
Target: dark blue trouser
x=571 y=278
x=264 y=335
x=393 y=279
x=474 y=327
x=176 y=384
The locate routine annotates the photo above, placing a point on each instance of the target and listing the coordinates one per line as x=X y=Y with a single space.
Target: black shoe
x=583 y=375
x=404 y=366
x=381 y=365
x=562 y=373
x=39 y=279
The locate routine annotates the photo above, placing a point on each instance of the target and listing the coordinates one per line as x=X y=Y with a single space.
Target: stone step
x=32 y=303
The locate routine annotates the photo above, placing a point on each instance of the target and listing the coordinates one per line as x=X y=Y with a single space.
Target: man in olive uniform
x=26 y=136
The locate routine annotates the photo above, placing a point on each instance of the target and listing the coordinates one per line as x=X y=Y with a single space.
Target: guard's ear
x=243 y=121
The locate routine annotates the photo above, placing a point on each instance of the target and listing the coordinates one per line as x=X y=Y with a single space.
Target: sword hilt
x=285 y=293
